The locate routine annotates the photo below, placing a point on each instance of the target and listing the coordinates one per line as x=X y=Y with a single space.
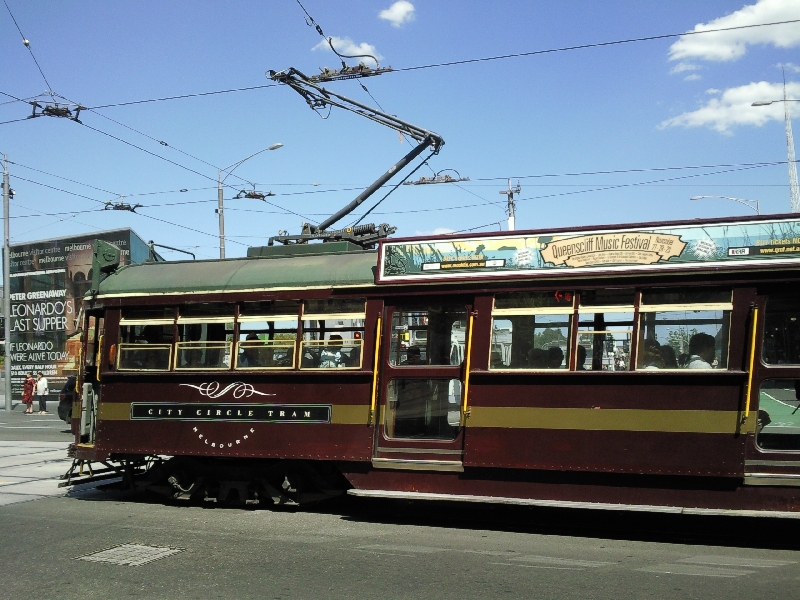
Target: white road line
x=695 y=570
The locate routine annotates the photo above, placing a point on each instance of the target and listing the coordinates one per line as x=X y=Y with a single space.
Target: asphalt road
x=92 y=543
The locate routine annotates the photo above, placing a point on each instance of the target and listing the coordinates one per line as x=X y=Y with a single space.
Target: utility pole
x=6 y=286
x=510 y=193
x=221 y=216
x=794 y=193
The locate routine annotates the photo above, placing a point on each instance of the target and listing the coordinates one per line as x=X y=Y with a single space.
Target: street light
x=755 y=206
x=794 y=192
x=220 y=206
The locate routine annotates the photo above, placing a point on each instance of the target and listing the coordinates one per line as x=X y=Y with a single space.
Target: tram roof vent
x=302 y=249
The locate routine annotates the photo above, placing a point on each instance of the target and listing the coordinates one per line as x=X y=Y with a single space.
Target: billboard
x=758 y=242
x=48 y=280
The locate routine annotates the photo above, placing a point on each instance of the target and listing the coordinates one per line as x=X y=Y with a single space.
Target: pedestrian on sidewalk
x=27 y=393
x=41 y=393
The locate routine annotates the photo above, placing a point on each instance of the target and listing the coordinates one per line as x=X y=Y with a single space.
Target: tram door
x=89 y=390
x=422 y=378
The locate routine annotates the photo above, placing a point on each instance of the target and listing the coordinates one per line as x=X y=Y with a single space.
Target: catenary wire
x=28 y=46
x=593 y=45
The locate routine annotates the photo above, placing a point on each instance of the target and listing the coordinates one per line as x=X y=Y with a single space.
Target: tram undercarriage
x=254 y=482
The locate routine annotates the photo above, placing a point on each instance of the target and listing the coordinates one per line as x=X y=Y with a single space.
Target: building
x=48 y=279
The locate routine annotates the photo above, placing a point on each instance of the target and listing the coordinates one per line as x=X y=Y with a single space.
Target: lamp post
x=220 y=205
x=794 y=192
x=755 y=204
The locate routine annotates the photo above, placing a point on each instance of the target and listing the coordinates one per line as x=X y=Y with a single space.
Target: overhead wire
x=465 y=61
x=593 y=45
x=28 y=46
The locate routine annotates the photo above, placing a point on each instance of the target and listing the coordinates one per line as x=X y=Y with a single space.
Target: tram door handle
x=87 y=411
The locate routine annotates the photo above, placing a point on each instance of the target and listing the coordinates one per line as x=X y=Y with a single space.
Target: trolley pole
x=6 y=287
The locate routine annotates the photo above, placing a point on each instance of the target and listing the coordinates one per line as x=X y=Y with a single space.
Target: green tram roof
x=322 y=271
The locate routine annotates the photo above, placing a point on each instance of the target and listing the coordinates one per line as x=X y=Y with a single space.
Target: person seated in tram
x=250 y=355
x=702 y=348
x=414 y=356
x=332 y=356
x=581 y=363
x=668 y=356
x=651 y=356
x=537 y=358
x=555 y=356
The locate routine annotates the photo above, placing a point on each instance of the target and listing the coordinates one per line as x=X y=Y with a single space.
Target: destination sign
x=633 y=249
x=249 y=413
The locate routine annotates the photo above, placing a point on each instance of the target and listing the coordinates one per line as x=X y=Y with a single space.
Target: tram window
x=423 y=409
x=333 y=334
x=778 y=425
x=605 y=330
x=267 y=334
x=531 y=330
x=144 y=345
x=684 y=330
x=205 y=337
x=428 y=335
x=782 y=329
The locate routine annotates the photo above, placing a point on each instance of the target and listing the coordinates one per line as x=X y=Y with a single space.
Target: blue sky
x=675 y=102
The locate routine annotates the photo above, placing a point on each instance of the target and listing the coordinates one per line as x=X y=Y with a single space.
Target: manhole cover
x=132 y=555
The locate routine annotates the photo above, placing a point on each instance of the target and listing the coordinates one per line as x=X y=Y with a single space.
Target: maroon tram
x=645 y=367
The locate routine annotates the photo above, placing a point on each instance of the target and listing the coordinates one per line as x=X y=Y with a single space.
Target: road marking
x=539 y=566
x=737 y=561
x=561 y=562
x=412 y=549
x=695 y=570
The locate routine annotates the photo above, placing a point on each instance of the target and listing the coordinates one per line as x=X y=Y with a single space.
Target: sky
x=594 y=136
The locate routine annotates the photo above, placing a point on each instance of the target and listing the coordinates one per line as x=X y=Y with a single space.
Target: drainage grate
x=132 y=555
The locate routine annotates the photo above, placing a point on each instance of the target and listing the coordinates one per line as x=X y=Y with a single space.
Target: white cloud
x=692 y=77
x=791 y=67
x=712 y=91
x=683 y=66
x=733 y=107
x=730 y=45
x=348 y=47
x=398 y=13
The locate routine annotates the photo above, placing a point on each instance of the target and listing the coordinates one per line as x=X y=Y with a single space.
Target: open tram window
x=686 y=329
x=778 y=426
x=531 y=330
x=423 y=409
x=605 y=330
x=428 y=335
x=205 y=336
x=145 y=339
x=267 y=335
x=782 y=329
x=333 y=334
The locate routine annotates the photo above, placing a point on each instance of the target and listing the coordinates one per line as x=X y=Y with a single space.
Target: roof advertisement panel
x=625 y=250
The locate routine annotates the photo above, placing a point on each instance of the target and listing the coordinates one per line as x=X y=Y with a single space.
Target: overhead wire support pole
x=6 y=288
x=511 y=214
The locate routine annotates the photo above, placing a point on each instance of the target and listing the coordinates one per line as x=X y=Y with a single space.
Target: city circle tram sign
x=247 y=413
x=679 y=246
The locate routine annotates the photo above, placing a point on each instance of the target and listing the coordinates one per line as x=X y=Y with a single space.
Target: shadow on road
x=748 y=532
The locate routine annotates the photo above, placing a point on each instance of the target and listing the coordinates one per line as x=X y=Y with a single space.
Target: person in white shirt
x=41 y=393
x=701 y=351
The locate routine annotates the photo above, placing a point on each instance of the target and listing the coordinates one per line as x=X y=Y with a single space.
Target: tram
x=650 y=366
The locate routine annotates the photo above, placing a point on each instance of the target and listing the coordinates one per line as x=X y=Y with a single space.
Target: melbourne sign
x=634 y=249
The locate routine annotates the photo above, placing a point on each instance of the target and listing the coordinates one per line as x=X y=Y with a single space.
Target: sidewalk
x=30 y=470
